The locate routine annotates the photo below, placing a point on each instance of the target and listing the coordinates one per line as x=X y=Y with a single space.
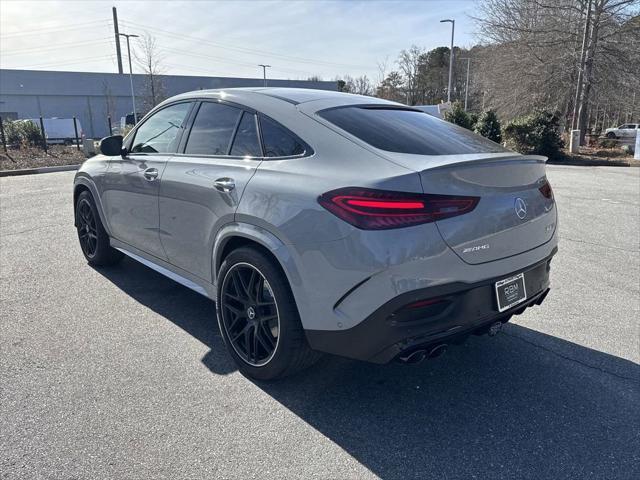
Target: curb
x=31 y=171
x=593 y=163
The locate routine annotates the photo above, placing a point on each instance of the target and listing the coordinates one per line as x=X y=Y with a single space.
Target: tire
x=611 y=135
x=250 y=284
x=92 y=236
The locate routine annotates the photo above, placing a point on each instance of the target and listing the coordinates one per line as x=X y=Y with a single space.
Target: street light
x=264 y=72
x=453 y=26
x=133 y=95
x=466 y=85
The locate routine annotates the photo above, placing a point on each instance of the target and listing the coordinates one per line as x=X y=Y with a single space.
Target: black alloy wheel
x=87 y=229
x=250 y=314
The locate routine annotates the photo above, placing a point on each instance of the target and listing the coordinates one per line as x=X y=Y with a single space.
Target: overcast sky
x=229 y=38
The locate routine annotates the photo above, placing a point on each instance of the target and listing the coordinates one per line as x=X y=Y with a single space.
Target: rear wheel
x=258 y=317
x=93 y=238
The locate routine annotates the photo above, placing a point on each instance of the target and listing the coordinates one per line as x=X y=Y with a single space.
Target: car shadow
x=520 y=405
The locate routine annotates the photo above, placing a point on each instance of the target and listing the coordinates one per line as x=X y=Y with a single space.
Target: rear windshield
x=408 y=131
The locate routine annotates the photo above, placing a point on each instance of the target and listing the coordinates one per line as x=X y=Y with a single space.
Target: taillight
x=370 y=209
x=546 y=190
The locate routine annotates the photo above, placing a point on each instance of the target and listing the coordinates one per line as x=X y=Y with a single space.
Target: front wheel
x=258 y=317
x=611 y=135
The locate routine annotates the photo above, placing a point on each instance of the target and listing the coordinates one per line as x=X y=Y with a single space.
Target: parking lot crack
x=599 y=245
x=34 y=229
x=566 y=357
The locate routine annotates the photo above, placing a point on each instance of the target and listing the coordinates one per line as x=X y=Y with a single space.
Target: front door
x=132 y=183
x=202 y=186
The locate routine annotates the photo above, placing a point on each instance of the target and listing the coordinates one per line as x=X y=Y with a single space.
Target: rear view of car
x=324 y=222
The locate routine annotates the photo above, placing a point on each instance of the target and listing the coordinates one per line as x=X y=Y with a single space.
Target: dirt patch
x=36 y=157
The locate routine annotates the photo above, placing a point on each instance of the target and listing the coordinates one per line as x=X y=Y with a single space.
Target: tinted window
x=408 y=131
x=160 y=132
x=246 y=141
x=278 y=141
x=212 y=129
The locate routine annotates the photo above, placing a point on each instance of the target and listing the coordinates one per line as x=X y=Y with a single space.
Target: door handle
x=150 y=174
x=225 y=184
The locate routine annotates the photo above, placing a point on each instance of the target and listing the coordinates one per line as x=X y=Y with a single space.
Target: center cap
x=251 y=313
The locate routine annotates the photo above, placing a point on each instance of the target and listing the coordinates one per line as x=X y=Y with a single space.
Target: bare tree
x=149 y=57
x=564 y=55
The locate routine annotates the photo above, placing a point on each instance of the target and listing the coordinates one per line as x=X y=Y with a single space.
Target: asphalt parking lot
x=120 y=373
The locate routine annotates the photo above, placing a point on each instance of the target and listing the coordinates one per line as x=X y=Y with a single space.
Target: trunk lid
x=512 y=216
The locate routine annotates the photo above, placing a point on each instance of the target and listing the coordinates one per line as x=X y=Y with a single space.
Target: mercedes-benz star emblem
x=251 y=313
x=520 y=208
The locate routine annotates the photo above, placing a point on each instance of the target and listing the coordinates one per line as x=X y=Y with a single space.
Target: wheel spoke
x=265 y=338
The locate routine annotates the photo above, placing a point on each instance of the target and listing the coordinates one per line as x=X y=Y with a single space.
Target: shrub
x=30 y=133
x=488 y=126
x=607 y=143
x=458 y=116
x=20 y=133
x=537 y=133
x=11 y=133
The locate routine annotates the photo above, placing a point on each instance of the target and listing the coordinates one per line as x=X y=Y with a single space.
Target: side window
x=212 y=129
x=246 y=142
x=159 y=133
x=277 y=141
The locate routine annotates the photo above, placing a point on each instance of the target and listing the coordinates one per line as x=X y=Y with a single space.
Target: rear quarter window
x=278 y=141
x=405 y=130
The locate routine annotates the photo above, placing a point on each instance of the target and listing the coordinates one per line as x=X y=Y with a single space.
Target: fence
x=40 y=134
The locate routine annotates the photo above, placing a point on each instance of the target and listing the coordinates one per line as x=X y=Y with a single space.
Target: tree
x=532 y=56
x=360 y=85
x=537 y=133
x=149 y=58
x=458 y=116
x=488 y=126
x=391 y=88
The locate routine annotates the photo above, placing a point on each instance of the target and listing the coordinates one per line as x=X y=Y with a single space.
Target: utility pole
x=466 y=85
x=264 y=72
x=117 y=33
x=453 y=26
x=585 y=37
x=133 y=95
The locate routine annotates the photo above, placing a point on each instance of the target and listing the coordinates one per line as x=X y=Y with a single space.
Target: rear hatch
x=513 y=214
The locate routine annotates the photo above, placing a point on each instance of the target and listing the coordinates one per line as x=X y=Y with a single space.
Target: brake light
x=546 y=190
x=370 y=209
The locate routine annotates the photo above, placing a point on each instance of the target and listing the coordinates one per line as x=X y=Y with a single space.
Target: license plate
x=510 y=292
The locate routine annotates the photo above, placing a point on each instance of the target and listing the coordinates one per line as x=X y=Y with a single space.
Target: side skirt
x=166 y=269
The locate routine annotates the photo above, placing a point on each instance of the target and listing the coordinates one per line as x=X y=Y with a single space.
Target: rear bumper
x=458 y=309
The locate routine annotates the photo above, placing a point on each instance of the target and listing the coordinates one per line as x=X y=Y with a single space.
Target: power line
x=45 y=31
x=242 y=49
x=53 y=47
x=224 y=60
x=71 y=62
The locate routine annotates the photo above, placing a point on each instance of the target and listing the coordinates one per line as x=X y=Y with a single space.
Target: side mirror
x=111 y=146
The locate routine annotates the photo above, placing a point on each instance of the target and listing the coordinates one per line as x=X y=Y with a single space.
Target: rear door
x=132 y=182
x=202 y=185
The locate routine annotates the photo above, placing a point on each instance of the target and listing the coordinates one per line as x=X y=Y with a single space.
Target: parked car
x=323 y=222
x=627 y=130
x=60 y=130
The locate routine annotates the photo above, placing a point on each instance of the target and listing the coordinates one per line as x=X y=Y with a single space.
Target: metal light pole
x=133 y=95
x=466 y=85
x=453 y=26
x=264 y=72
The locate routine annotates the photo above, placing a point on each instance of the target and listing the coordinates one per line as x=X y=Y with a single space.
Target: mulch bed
x=36 y=157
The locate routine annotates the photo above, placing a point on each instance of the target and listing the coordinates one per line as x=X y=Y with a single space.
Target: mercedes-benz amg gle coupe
x=321 y=221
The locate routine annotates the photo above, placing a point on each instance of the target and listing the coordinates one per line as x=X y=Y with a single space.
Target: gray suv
x=323 y=222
